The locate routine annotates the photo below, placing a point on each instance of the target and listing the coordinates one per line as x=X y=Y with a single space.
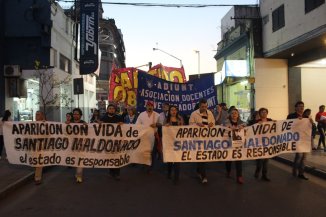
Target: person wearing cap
x=203 y=118
x=149 y=118
x=111 y=116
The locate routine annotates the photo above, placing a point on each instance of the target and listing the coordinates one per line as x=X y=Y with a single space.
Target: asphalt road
x=153 y=195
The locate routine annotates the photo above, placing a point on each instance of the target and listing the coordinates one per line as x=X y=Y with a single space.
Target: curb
x=4 y=192
x=309 y=169
x=20 y=182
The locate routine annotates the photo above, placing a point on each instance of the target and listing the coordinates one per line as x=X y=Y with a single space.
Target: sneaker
x=240 y=180
x=79 y=179
x=204 y=181
x=301 y=176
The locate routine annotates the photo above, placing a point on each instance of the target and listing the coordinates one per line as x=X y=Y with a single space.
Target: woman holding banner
x=262 y=164
x=77 y=114
x=235 y=123
x=174 y=119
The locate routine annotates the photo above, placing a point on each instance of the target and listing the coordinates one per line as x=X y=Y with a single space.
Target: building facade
x=113 y=56
x=295 y=32
x=235 y=57
x=40 y=31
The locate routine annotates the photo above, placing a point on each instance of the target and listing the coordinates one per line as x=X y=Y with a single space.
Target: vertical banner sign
x=88 y=36
x=183 y=95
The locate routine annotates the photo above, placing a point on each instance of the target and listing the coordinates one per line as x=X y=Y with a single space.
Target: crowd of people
x=202 y=117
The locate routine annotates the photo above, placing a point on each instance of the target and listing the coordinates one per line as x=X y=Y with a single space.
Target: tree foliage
x=50 y=92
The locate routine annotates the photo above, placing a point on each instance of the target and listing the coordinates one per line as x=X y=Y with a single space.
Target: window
x=310 y=5
x=65 y=64
x=278 y=18
x=54 y=59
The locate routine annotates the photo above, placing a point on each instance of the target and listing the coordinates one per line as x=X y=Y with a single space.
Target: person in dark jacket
x=299 y=159
x=111 y=116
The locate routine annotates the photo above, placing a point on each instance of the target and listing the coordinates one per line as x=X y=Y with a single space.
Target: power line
x=163 y=5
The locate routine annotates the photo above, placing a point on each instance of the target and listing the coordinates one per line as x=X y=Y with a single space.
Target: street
x=142 y=194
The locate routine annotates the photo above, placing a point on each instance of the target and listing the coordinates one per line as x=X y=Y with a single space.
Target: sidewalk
x=315 y=162
x=13 y=176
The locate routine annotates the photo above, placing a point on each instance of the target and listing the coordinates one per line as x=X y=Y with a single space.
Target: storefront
x=25 y=101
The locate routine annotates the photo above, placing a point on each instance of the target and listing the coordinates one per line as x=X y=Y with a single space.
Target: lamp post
x=198 y=53
x=154 y=49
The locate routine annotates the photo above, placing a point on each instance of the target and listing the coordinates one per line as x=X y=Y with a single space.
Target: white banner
x=78 y=145
x=266 y=140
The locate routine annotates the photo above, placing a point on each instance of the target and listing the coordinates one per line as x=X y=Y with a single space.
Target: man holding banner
x=111 y=116
x=149 y=118
x=202 y=117
x=300 y=158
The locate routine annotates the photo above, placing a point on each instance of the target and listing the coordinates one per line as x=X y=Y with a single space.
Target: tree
x=51 y=84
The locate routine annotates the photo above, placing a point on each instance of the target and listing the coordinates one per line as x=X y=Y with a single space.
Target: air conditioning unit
x=11 y=71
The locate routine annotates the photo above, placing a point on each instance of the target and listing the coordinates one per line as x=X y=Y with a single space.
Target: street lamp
x=198 y=53
x=154 y=49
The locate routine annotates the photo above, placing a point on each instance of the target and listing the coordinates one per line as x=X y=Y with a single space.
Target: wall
x=297 y=22
x=271 y=87
x=63 y=43
x=313 y=88
x=227 y=22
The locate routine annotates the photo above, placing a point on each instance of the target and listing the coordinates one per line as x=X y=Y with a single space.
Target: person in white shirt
x=150 y=118
x=204 y=118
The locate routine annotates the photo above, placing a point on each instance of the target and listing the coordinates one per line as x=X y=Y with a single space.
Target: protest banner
x=265 y=140
x=183 y=95
x=123 y=86
x=77 y=145
x=124 y=82
x=168 y=73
